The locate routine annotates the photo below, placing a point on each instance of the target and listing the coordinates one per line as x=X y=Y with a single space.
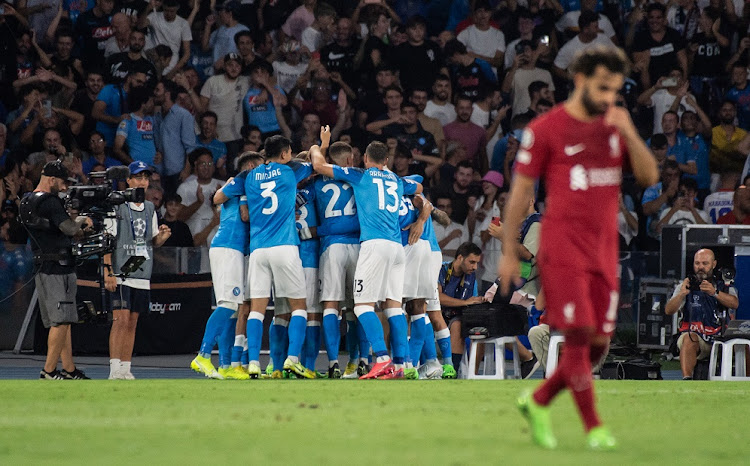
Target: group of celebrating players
x=320 y=237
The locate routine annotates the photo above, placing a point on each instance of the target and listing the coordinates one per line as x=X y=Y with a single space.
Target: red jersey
x=581 y=164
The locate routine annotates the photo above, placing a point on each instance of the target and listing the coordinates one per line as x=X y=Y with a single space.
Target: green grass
x=337 y=422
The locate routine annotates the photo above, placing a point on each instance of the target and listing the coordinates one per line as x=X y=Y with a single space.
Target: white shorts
x=418 y=281
x=380 y=272
x=337 y=266
x=228 y=275
x=312 y=285
x=436 y=263
x=280 y=266
x=246 y=265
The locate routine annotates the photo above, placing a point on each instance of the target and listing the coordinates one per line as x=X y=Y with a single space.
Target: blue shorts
x=132 y=299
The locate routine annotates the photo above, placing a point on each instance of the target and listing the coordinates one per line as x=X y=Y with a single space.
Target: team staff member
x=137 y=231
x=51 y=230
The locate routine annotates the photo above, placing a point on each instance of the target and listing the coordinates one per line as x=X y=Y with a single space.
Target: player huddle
x=320 y=238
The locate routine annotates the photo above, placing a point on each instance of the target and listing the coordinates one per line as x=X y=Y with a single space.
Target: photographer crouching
x=708 y=303
x=137 y=232
x=51 y=229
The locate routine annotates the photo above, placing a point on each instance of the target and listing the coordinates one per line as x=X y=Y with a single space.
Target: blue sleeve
x=236 y=187
x=487 y=70
x=187 y=129
x=410 y=186
x=348 y=174
x=337 y=228
x=305 y=195
x=498 y=154
x=476 y=290
x=649 y=194
x=416 y=178
x=301 y=170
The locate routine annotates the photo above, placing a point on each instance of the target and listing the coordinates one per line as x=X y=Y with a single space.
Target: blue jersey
x=428 y=233
x=271 y=192
x=139 y=136
x=261 y=115
x=407 y=215
x=115 y=97
x=233 y=233
x=309 y=249
x=218 y=149
x=337 y=211
x=377 y=194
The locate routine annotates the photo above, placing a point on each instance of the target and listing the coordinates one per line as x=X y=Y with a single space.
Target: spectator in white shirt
x=589 y=36
x=569 y=22
x=450 y=237
x=165 y=27
x=482 y=40
x=440 y=106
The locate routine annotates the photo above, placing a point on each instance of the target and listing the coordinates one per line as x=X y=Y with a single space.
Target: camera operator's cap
x=138 y=167
x=233 y=56
x=494 y=177
x=56 y=169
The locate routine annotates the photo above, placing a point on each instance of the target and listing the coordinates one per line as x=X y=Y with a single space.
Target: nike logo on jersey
x=573 y=150
x=335 y=56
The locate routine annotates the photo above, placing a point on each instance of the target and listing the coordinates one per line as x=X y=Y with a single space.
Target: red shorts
x=580 y=299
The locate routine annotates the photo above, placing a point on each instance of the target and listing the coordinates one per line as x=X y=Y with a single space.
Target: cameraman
x=138 y=232
x=708 y=301
x=51 y=229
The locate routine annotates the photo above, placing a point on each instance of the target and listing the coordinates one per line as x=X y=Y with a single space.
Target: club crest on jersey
x=582 y=179
x=614 y=146
x=236 y=291
x=527 y=140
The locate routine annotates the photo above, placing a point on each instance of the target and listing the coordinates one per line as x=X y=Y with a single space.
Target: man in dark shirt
x=51 y=230
x=181 y=236
x=338 y=56
x=119 y=65
x=83 y=102
x=469 y=74
x=460 y=190
x=659 y=48
x=418 y=60
x=92 y=30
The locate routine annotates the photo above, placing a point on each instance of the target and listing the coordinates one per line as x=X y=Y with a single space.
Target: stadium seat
x=553 y=354
x=731 y=351
x=494 y=350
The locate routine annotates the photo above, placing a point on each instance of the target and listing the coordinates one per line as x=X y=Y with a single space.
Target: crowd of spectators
x=187 y=85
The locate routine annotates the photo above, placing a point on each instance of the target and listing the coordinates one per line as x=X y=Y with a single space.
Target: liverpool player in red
x=579 y=150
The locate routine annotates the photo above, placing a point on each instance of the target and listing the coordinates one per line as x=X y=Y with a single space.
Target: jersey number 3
x=391 y=188
x=268 y=193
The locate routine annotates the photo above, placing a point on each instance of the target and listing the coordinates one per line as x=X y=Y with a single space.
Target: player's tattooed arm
x=441 y=217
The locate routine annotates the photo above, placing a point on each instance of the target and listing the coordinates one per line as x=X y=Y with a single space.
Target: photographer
x=138 y=232
x=708 y=301
x=51 y=230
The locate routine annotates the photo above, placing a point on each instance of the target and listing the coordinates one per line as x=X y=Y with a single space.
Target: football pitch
x=355 y=422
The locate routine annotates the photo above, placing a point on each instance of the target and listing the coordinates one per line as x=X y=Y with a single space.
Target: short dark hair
x=247 y=129
x=208 y=113
x=247 y=157
x=409 y=104
x=172 y=197
x=338 y=149
x=393 y=87
x=454 y=47
x=173 y=89
x=198 y=152
x=656 y=6
x=464 y=164
x=658 y=141
x=242 y=34
x=467 y=249
x=377 y=151
x=275 y=145
x=171 y=3
x=587 y=17
x=260 y=65
x=613 y=59
x=689 y=183
x=537 y=86
x=138 y=96
x=442 y=77
x=669 y=163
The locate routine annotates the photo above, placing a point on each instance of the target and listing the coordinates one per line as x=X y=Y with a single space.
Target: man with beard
x=704 y=303
x=119 y=65
x=83 y=103
x=581 y=164
x=472 y=136
x=440 y=106
x=725 y=140
x=51 y=230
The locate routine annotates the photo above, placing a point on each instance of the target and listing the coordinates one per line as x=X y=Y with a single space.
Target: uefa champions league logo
x=139 y=227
